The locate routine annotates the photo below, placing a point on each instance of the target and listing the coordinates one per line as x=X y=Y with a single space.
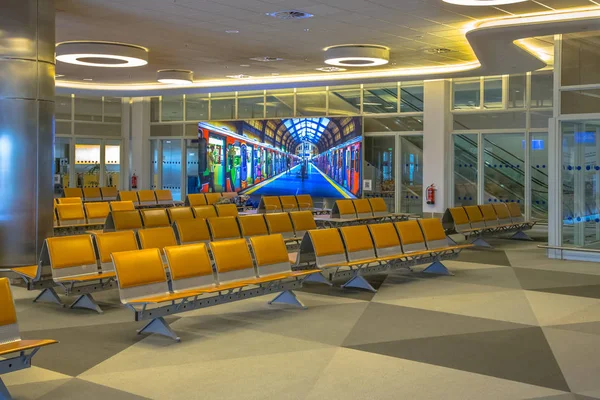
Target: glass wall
x=411 y=167
x=87 y=163
x=112 y=162
x=538 y=164
x=380 y=167
x=504 y=174
x=171 y=167
x=466 y=153
x=192 y=166
x=154 y=164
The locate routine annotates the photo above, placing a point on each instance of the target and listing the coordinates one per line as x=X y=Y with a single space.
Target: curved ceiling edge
x=493 y=42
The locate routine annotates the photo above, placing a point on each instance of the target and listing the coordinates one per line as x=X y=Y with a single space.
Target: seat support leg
x=437 y=268
x=88 y=302
x=160 y=327
x=4 y=394
x=520 y=235
x=451 y=242
x=48 y=295
x=360 y=283
x=480 y=242
x=287 y=297
x=317 y=277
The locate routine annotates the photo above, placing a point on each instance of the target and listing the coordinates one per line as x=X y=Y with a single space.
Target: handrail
x=562 y=248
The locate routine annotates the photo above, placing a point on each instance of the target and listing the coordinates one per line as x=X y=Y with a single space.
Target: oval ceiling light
x=357 y=55
x=483 y=2
x=102 y=54
x=175 y=76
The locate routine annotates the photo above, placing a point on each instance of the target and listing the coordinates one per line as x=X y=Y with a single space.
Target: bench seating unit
x=195 y=284
x=109 y=193
x=15 y=353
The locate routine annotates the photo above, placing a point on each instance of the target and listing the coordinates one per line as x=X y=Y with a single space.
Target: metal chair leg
x=287 y=297
x=160 y=327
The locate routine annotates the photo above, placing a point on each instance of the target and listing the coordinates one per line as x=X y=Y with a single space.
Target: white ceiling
x=190 y=34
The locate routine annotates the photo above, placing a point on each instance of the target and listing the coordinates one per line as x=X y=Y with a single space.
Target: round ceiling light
x=357 y=55
x=102 y=54
x=175 y=76
x=483 y=2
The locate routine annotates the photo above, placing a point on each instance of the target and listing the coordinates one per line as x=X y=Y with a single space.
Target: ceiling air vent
x=266 y=59
x=290 y=14
x=438 y=50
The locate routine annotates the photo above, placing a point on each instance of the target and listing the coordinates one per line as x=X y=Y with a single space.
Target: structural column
x=437 y=146
x=140 y=142
x=27 y=70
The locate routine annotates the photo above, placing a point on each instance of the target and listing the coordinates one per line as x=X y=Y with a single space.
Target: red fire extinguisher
x=431 y=194
x=134 y=181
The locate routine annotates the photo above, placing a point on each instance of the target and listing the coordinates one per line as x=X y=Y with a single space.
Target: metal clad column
x=27 y=45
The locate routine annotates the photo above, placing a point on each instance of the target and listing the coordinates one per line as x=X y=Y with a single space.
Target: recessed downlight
x=88 y=79
x=239 y=76
x=102 y=54
x=483 y=2
x=331 y=69
x=266 y=59
x=357 y=55
x=175 y=76
x=290 y=14
x=232 y=31
x=58 y=76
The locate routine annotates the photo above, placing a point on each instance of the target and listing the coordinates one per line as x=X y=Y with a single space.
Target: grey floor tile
x=77 y=389
x=585 y=327
x=521 y=355
x=532 y=279
x=484 y=256
x=592 y=291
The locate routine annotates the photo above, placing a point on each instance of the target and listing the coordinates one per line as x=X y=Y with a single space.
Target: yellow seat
x=363 y=208
x=411 y=236
x=164 y=196
x=70 y=214
x=204 y=211
x=157 y=238
x=73 y=192
x=97 y=212
x=289 y=203
x=233 y=262
x=503 y=214
x=305 y=201
x=387 y=242
x=190 y=267
x=177 y=213
x=122 y=206
x=226 y=210
x=146 y=197
x=154 y=218
x=280 y=223
x=434 y=233
x=378 y=206
x=109 y=193
x=196 y=199
x=272 y=258
x=113 y=242
x=212 y=198
x=461 y=219
x=192 y=231
x=515 y=213
x=358 y=243
x=253 y=225
x=229 y=195
x=328 y=247
x=222 y=228
x=489 y=215
x=271 y=204
x=73 y=259
x=475 y=217
x=303 y=221
x=92 y=194
x=129 y=196
x=343 y=209
x=69 y=200
x=127 y=220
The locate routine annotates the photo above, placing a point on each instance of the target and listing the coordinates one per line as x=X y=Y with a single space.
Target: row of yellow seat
x=360 y=208
x=108 y=193
x=71 y=211
x=139 y=198
x=203 y=199
x=360 y=246
x=269 y=204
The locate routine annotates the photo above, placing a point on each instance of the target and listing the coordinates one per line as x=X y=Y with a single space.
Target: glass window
x=492 y=92
x=63 y=128
x=344 y=100
x=380 y=98
x=280 y=103
x=394 y=124
x=580 y=102
x=88 y=108
x=112 y=163
x=542 y=84
x=196 y=107
x=155 y=109
x=172 y=108
x=411 y=98
x=466 y=94
x=504 y=168
x=311 y=101
x=516 y=90
x=171 y=167
x=192 y=166
x=580 y=60
x=466 y=154
x=154 y=164
x=222 y=106
x=87 y=162
x=112 y=109
x=166 y=130
x=92 y=129
x=539 y=119
x=251 y=105
x=490 y=120
x=62 y=106
x=538 y=160
x=61 y=165
x=380 y=168
x=580 y=183
x=411 y=167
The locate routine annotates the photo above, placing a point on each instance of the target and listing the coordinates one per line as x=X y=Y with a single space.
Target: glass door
x=379 y=168
x=171 y=167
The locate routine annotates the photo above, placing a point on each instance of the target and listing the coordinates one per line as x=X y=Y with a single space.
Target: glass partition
x=411 y=98
x=251 y=104
x=171 y=167
x=87 y=162
x=538 y=161
x=466 y=150
x=542 y=84
x=196 y=107
x=112 y=163
x=344 y=100
x=192 y=166
x=112 y=109
x=466 y=94
x=411 y=163
x=311 y=101
x=380 y=167
x=280 y=103
x=62 y=106
x=62 y=147
x=492 y=92
x=517 y=85
x=504 y=168
x=88 y=108
x=222 y=106
x=172 y=108
x=154 y=150
x=380 y=98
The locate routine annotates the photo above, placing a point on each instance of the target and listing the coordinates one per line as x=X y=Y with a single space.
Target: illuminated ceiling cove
x=307 y=129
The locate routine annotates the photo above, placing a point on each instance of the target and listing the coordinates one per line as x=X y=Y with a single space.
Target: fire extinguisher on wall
x=431 y=194
x=134 y=181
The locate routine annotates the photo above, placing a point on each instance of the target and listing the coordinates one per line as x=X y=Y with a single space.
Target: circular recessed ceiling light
x=175 y=76
x=483 y=2
x=102 y=54
x=357 y=55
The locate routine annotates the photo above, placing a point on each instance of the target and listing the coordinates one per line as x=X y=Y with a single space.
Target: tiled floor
x=510 y=324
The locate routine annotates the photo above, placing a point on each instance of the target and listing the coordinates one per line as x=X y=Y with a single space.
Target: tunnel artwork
x=317 y=156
